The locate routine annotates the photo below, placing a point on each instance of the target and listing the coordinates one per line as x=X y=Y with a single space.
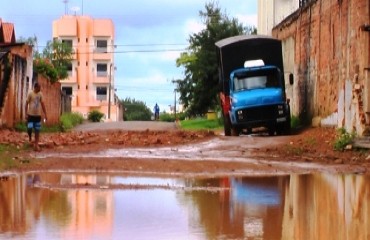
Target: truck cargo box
x=232 y=53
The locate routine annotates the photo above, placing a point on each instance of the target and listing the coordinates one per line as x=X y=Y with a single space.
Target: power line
x=138 y=51
x=135 y=50
x=130 y=45
x=141 y=89
x=150 y=44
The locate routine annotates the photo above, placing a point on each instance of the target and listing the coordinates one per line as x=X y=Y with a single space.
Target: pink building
x=91 y=74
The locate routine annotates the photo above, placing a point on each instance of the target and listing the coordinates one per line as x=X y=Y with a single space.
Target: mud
x=194 y=153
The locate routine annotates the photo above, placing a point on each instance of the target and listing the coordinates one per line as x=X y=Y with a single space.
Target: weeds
x=344 y=138
x=294 y=150
x=295 y=122
x=95 y=116
x=6 y=161
x=200 y=124
x=311 y=141
x=70 y=120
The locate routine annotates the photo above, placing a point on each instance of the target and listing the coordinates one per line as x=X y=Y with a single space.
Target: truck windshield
x=267 y=79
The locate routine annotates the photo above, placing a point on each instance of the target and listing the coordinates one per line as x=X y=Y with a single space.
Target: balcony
x=102 y=54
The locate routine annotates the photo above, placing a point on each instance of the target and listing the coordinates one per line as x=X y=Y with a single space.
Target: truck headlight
x=280 y=109
x=240 y=114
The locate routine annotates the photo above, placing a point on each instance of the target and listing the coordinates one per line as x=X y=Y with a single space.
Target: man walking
x=34 y=105
x=156 y=112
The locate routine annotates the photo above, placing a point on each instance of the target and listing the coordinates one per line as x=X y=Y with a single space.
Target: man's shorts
x=34 y=122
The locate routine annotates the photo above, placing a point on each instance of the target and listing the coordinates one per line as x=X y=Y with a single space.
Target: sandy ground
x=162 y=149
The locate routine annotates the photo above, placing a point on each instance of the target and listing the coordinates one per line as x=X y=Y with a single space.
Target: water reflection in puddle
x=90 y=206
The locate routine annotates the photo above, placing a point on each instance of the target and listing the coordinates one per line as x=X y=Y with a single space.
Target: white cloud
x=152 y=77
x=249 y=20
x=170 y=56
x=140 y=25
x=193 y=26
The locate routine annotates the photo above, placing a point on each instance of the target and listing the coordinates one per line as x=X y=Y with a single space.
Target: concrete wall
x=272 y=12
x=331 y=60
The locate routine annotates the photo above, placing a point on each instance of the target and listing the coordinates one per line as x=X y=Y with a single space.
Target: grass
x=7 y=153
x=66 y=122
x=201 y=124
x=343 y=139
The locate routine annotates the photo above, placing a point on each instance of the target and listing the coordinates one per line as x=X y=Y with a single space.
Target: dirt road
x=127 y=126
x=136 y=147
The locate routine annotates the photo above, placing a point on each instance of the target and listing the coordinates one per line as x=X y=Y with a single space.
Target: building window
x=69 y=69
x=67 y=91
x=101 y=70
x=101 y=93
x=67 y=42
x=101 y=46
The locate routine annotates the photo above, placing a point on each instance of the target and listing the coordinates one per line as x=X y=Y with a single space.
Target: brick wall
x=330 y=61
x=52 y=99
x=15 y=90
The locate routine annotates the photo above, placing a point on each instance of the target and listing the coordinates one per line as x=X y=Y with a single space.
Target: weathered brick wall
x=20 y=62
x=52 y=99
x=330 y=61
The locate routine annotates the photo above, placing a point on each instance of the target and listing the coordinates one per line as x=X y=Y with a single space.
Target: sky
x=149 y=36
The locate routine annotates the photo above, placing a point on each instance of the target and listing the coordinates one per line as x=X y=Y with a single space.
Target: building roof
x=7 y=34
x=8 y=31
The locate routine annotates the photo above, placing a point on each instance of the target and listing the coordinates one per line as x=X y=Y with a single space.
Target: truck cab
x=252 y=85
x=257 y=99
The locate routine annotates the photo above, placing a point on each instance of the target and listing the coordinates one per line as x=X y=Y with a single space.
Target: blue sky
x=150 y=35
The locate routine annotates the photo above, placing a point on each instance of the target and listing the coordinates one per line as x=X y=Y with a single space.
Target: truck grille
x=257 y=114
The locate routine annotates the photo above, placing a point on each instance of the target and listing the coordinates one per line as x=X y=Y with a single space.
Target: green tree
x=136 y=110
x=59 y=54
x=32 y=41
x=199 y=88
x=53 y=61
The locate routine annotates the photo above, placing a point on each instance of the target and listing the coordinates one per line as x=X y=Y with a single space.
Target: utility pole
x=175 y=82
x=175 y=104
x=109 y=89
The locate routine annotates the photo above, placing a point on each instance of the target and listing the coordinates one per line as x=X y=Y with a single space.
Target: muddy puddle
x=106 y=206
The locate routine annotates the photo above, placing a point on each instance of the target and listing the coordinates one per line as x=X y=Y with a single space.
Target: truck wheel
x=227 y=125
x=271 y=131
x=287 y=128
x=280 y=130
x=235 y=131
x=249 y=131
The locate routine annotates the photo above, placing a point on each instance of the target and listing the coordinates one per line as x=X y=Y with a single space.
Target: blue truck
x=252 y=85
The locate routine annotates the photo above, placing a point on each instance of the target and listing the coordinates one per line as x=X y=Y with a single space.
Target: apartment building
x=91 y=74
